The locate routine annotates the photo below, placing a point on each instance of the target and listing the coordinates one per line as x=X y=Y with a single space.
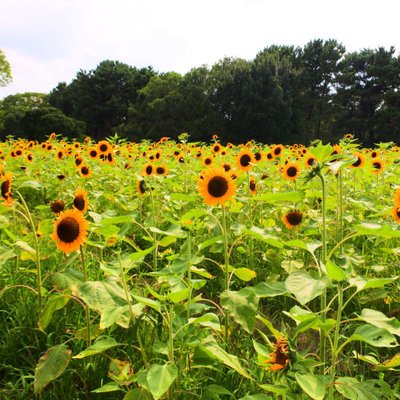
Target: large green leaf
x=380 y=320
x=54 y=303
x=374 y=336
x=351 y=388
x=314 y=385
x=304 y=287
x=370 y=283
x=50 y=366
x=99 y=347
x=259 y=396
x=211 y=348
x=160 y=378
x=138 y=394
x=368 y=228
x=270 y=289
x=209 y=320
x=242 y=305
x=260 y=234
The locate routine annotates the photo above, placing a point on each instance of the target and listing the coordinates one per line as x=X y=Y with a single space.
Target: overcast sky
x=49 y=41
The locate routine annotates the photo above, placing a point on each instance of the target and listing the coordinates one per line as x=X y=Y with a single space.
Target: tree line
x=286 y=95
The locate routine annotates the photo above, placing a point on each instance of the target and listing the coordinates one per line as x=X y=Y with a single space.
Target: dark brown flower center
x=103 y=147
x=377 y=165
x=5 y=189
x=357 y=163
x=217 y=186
x=207 y=161
x=252 y=186
x=57 y=206
x=142 y=187
x=79 y=202
x=93 y=153
x=294 y=218
x=149 y=170
x=291 y=172
x=85 y=170
x=245 y=160
x=68 y=230
x=160 y=170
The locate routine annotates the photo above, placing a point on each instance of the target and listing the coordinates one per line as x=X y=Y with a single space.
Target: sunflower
x=93 y=152
x=216 y=148
x=226 y=166
x=161 y=170
x=280 y=356
x=292 y=219
x=78 y=160
x=374 y=154
x=60 y=154
x=396 y=213
x=70 y=230
x=378 y=166
x=258 y=156
x=396 y=197
x=208 y=161
x=148 y=169
x=104 y=147
x=360 y=162
x=29 y=157
x=84 y=171
x=57 y=206
x=291 y=171
x=245 y=160
x=270 y=156
x=310 y=160
x=278 y=150
x=81 y=201
x=252 y=186
x=216 y=186
x=6 y=181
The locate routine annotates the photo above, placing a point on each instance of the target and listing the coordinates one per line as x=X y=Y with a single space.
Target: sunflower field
x=180 y=270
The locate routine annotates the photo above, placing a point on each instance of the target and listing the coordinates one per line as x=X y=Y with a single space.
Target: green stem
x=37 y=252
x=126 y=290
x=87 y=309
x=189 y=272
x=226 y=267
x=336 y=335
x=323 y=260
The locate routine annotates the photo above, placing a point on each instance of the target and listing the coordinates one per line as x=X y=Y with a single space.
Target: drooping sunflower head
x=6 y=181
x=216 y=186
x=81 y=201
x=141 y=187
x=245 y=160
x=291 y=171
x=280 y=357
x=293 y=219
x=252 y=186
x=70 y=230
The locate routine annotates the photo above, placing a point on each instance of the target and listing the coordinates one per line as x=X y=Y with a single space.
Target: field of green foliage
x=179 y=270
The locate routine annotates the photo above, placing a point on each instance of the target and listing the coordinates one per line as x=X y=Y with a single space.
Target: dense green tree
x=368 y=95
x=29 y=115
x=319 y=68
x=5 y=70
x=101 y=97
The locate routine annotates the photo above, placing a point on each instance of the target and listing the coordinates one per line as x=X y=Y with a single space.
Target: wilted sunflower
x=6 y=181
x=81 y=202
x=291 y=171
x=57 y=206
x=378 y=165
x=70 y=230
x=293 y=219
x=216 y=186
x=141 y=187
x=245 y=160
x=252 y=186
x=280 y=356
